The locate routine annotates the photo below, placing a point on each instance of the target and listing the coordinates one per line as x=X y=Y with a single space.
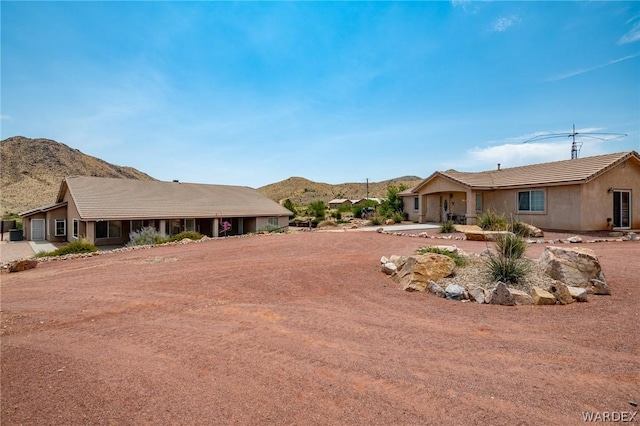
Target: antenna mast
x=576 y=145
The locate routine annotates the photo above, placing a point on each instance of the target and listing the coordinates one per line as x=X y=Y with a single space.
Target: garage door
x=37 y=229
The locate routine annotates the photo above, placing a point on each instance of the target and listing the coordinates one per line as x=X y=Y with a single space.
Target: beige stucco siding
x=72 y=213
x=597 y=201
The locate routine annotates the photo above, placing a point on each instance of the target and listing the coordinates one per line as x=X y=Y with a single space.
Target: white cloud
x=5 y=117
x=502 y=24
x=633 y=34
x=585 y=70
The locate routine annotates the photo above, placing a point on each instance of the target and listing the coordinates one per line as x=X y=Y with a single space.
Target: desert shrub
x=459 y=260
x=397 y=217
x=376 y=220
x=508 y=265
x=76 y=247
x=145 y=236
x=447 y=227
x=326 y=223
x=519 y=228
x=506 y=269
x=288 y=204
x=271 y=228
x=489 y=221
x=192 y=235
x=511 y=245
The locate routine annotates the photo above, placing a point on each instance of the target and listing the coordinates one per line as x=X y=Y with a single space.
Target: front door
x=621 y=209
x=444 y=211
x=37 y=229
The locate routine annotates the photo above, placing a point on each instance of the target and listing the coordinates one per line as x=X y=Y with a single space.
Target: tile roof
x=566 y=172
x=107 y=198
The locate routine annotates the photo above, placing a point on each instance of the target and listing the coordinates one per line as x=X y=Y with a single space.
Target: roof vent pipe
x=498 y=166
x=176 y=181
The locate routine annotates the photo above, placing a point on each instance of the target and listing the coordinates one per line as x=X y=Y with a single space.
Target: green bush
x=271 y=228
x=459 y=260
x=327 y=223
x=376 y=220
x=192 y=235
x=317 y=209
x=519 y=228
x=145 y=237
x=511 y=245
x=447 y=227
x=490 y=221
x=397 y=217
x=506 y=269
x=76 y=247
x=508 y=265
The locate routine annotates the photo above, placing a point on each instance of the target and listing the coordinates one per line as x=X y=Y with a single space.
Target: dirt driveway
x=304 y=329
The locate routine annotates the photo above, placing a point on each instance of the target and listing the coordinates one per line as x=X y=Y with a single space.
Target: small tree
x=290 y=206
x=317 y=209
x=393 y=203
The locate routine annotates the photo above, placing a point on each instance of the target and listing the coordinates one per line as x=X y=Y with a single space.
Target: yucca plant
x=447 y=227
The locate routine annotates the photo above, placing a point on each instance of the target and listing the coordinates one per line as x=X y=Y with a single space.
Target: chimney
x=498 y=166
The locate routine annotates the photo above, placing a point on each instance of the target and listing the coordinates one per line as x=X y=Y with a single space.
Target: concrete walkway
x=14 y=250
x=401 y=228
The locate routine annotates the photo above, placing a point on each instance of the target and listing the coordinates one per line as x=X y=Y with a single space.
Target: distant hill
x=302 y=191
x=32 y=169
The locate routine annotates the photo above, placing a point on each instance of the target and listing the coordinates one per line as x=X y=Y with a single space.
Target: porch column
x=240 y=225
x=471 y=208
x=163 y=226
x=216 y=227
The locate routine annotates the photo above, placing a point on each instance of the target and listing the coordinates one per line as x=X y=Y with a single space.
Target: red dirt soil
x=304 y=329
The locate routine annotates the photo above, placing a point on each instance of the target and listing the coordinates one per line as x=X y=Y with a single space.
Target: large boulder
x=474 y=235
x=434 y=288
x=22 y=265
x=419 y=269
x=533 y=231
x=575 y=267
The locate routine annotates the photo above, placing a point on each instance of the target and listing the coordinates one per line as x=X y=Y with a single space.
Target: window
x=61 y=227
x=416 y=203
x=189 y=224
x=478 y=202
x=531 y=201
x=137 y=225
x=75 y=228
x=175 y=226
x=109 y=229
x=273 y=221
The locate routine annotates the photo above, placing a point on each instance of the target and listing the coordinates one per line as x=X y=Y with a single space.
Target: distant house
x=339 y=202
x=584 y=194
x=106 y=210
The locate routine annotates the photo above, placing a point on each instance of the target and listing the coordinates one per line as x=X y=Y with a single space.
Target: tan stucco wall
x=52 y=215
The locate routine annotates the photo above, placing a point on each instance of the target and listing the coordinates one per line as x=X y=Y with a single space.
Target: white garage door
x=37 y=229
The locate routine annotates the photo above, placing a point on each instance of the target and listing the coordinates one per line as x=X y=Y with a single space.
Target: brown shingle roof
x=566 y=172
x=107 y=198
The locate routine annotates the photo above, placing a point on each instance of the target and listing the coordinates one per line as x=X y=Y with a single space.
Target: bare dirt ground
x=304 y=329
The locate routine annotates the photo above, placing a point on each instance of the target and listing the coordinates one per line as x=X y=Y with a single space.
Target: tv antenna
x=577 y=144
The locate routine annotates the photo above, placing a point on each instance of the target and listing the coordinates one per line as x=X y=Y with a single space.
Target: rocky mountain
x=31 y=171
x=302 y=191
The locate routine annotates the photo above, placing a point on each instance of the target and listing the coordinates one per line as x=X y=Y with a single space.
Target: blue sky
x=252 y=93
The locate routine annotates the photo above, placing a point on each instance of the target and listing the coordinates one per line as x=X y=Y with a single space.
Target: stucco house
x=105 y=210
x=583 y=194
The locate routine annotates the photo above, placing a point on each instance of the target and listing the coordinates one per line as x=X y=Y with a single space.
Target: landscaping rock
x=477 y=294
x=542 y=297
x=521 y=297
x=389 y=268
x=22 y=265
x=434 y=288
x=574 y=239
x=455 y=292
x=579 y=294
x=502 y=296
x=533 y=231
x=575 y=267
x=419 y=269
x=598 y=287
x=450 y=249
x=561 y=293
